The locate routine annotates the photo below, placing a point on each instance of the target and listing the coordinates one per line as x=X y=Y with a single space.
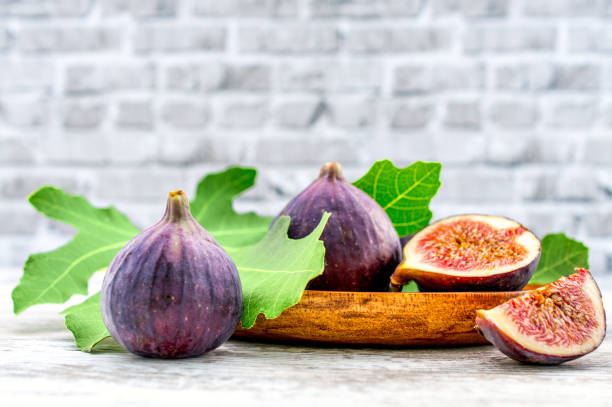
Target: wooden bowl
x=366 y=318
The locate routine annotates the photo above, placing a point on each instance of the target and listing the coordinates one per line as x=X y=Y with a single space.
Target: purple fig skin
x=172 y=291
x=431 y=282
x=490 y=329
x=515 y=350
x=362 y=247
x=406 y=239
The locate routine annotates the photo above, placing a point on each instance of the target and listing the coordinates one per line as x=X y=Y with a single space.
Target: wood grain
x=39 y=363
x=398 y=319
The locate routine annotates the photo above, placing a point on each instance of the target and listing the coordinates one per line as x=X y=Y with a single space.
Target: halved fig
x=561 y=321
x=469 y=253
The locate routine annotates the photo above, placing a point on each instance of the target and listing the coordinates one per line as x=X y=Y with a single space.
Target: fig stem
x=331 y=170
x=177 y=207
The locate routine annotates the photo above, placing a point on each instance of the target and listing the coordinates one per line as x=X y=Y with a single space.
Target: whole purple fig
x=362 y=247
x=172 y=291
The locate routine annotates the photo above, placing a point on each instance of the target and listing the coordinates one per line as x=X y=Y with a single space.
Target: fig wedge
x=469 y=253
x=561 y=321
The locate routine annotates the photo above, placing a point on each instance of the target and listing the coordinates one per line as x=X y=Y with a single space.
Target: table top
x=39 y=363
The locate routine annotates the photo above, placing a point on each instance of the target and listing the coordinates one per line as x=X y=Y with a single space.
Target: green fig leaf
x=53 y=277
x=212 y=208
x=85 y=322
x=411 y=287
x=275 y=271
x=404 y=193
x=560 y=255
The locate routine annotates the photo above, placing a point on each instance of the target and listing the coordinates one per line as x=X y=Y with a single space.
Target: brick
x=46 y=8
x=84 y=115
x=514 y=114
x=195 y=77
x=373 y=40
x=253 y=77
x=414 y=79
x=18 y=220
x=578 y=77
x=138 y=183
x=545 y=76
x=523 y=77
x=306 y=149
x=599 y=223
x=244 y=115
x=284 y=184
x=476 y=185
x=186 y=148
x=604 y=181
x=573 y=114
x=366 y=8
x=460 y=148
x=402 y=147
x=183 y=38
x=537 y=185
x=299 y=113
x=469 y=76
x=140 y=8
x=331 y=75
x=509 y=39
x=465 y=115
x=295 y=39
x=509 y=148
x=471 y=8
x=351 y=113
x=86 y=78
x=24 y=113
x=551 y=219
x=21 y=185
x=590 y=39
x=184 y=114
x=513 y=148
x=67 y=39
x=5 y=40
x=15 y=249
x=577 y=185
x=546 y=148
x=190 y=148
x=133 y=147
x=411 y=115
x=565 y=8
x=598 y=150
x=16 y=150
x=135 y=115
x=247 y=8
x=607 y=79
x=600 y=260
x=75 y=147
x=24 y=75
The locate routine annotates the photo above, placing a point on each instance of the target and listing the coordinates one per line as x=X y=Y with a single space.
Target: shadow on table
x=107 y=345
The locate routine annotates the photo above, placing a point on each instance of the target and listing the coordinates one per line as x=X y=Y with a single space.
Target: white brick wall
x=123 y=100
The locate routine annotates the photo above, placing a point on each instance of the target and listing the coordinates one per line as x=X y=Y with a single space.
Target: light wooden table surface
x=40 y=364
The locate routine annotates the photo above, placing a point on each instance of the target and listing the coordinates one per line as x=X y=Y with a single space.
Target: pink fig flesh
x=469 y=253
x=561 y=321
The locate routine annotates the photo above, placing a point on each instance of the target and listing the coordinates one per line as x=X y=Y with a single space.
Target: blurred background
x=124 y=100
